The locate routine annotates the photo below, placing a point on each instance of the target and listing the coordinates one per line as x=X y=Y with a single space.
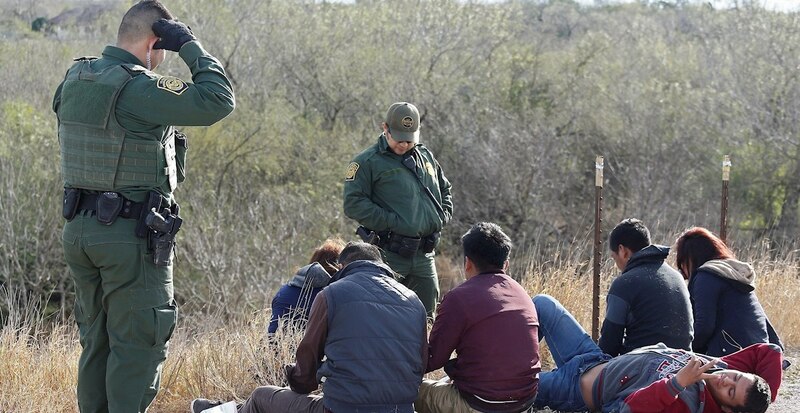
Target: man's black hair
x=138 y=20
x=487 y=246
x=631 y=233
x=758 y=397
x=357 y=250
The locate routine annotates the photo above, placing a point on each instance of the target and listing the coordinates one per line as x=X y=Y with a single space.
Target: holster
x=154 y=200
x=163 y=226
x=162 y=245
x=369 y=236
x=430 y=242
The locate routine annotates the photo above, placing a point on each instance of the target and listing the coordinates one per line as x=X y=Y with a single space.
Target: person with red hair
x=293 y=300
x=727 y=313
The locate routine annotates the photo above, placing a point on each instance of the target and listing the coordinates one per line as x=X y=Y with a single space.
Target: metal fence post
x=723 y=215
x=598 y=219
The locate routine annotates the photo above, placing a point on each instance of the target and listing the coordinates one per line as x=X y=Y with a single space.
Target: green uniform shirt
x=382 y=194
x=149 y=100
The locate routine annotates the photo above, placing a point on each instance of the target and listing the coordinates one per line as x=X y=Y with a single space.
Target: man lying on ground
x=650 y=379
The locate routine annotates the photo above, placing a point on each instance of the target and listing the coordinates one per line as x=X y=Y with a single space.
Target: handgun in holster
x=368 y=236
x=154 y=201
x=163 y=228
x=430 y=242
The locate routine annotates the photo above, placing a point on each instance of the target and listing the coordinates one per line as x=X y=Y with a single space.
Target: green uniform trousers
x=419 y=275
x=125 y=313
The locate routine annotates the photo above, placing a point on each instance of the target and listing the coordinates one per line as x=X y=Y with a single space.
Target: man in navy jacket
x=649 y=302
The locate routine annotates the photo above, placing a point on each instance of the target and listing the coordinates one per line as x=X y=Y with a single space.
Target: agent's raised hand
x=173 y=34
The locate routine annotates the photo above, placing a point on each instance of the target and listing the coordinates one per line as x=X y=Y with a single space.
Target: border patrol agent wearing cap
x=398 y=194
x=121 y=160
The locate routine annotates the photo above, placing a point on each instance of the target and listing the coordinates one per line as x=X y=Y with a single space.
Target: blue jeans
x=573 y=351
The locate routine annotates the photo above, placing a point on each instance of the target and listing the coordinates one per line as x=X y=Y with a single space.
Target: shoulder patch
x=172 y=84
x=351 y=171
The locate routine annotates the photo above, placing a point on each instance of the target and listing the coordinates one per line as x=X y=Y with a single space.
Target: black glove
x=173 y=34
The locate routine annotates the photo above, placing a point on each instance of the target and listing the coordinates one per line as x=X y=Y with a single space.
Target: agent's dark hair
x=138 y=20
x=327 y=255
x=487 y=246
x=696 y=246
x=630 y=233
x=357 y=250
x=758 y=398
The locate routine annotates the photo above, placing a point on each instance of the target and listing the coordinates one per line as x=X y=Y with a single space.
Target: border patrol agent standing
x=397 y=192
x=121 y=159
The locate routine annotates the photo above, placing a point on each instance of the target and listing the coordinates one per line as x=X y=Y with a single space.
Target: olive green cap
x=403 y=121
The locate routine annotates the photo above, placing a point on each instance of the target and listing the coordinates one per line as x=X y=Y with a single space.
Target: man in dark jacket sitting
x=365 y=343
x=649 y=302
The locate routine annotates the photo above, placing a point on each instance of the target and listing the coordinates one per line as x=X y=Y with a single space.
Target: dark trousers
x=268 y=399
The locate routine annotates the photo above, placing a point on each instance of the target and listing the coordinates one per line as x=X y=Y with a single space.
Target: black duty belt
x=387 y=237
x=408 y=246
x=130 y=209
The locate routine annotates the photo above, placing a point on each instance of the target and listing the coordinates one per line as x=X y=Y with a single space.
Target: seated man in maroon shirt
x=491 y=323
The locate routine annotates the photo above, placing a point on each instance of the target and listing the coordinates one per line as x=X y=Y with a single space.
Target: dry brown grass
x=38 y=364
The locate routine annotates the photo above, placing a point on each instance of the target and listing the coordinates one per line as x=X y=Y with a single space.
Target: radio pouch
x=109 y=204
x=181 y=145
x=405 y=247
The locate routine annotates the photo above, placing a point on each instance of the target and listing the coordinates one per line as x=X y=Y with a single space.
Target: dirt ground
x=789 y=395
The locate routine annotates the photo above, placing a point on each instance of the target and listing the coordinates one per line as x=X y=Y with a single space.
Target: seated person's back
x=727 y=313
x=293 y=300
x=491 y=323
x=649 y=302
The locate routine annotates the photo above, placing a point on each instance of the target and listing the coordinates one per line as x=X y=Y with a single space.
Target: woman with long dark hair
x=727 y=313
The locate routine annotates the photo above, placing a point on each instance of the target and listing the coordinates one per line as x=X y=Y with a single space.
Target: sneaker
x=198 y=405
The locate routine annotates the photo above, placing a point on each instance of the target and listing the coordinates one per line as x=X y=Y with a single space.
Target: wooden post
x=723 y=215
x=598 y=219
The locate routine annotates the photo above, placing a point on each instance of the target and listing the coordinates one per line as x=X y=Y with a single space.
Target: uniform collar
x=383 y=144
x=124 y=56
